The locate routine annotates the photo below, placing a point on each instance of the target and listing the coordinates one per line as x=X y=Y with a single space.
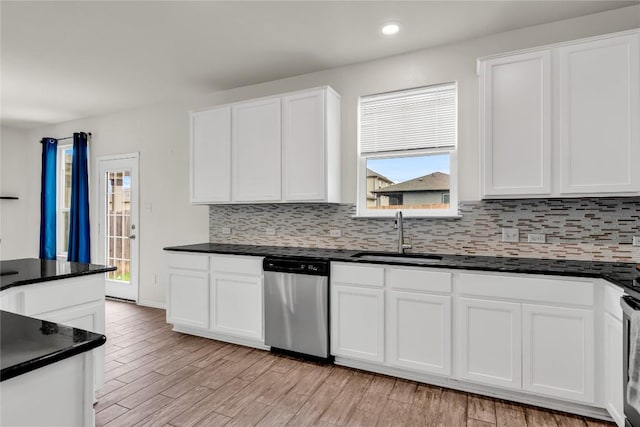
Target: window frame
x=61 y=253
x=362 y=211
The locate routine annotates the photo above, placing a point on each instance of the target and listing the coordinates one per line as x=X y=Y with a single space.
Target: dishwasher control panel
x=296 y=266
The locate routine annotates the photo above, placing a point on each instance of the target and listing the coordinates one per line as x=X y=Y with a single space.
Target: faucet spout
x=400 y=227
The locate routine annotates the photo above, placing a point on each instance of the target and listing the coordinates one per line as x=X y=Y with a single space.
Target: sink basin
x=394 y=257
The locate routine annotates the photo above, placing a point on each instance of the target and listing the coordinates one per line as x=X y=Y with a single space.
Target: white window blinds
x=410 y=119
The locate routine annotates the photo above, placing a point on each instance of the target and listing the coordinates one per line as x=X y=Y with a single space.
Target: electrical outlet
x=335 y=233
x=636 y=241
x=226 y=230
x=270 y=231
x=536 y=238
x=511 y=235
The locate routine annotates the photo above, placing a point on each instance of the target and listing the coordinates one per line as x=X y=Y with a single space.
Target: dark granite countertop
x=28 y=344
x=24 y=271
x=625 y=275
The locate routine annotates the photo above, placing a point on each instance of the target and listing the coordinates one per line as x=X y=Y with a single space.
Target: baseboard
x=152 y=304
x=221 y=337
x=512 y=395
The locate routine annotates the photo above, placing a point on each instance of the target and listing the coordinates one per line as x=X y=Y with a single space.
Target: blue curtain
x=79 y=239
x=48 y=199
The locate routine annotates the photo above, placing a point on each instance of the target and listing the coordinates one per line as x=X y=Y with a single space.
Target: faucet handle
x=406 y=243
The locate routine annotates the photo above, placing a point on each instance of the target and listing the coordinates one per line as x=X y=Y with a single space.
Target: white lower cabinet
x=526 y=337
x=392 y=316
x=613 y=354
x=217 y=296
x=236 y=305
x=357 y=322
x=558 y=352
x=419 y=335
x=188 y=301
x=489 y=342
x=613 y=359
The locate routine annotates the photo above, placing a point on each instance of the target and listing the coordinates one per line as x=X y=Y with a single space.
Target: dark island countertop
x=625 y=275
x=28 y=344
x=25 y=271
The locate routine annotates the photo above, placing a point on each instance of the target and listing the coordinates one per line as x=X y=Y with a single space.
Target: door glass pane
x=119 y=224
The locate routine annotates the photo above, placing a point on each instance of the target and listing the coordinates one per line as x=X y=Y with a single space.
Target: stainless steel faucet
x=400 y=227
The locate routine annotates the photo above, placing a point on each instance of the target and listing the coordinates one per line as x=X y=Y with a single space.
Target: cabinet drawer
x=527 y=288
x=356 y=274
x=419 y=280
x=50 y=296
x=189 y=261
x=236 y=264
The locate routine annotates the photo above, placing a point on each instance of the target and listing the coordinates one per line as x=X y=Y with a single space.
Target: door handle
x=133 y=236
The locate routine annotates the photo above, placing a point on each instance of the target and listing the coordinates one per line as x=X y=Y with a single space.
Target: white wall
x=160 y=134
x=19 y=176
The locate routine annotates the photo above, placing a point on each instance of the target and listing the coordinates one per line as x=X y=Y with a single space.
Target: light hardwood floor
x=156 y=377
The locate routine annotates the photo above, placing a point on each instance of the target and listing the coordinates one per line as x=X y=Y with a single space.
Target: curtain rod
x=68 y=137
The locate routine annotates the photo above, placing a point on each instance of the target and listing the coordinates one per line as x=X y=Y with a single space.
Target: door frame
x=135 y=215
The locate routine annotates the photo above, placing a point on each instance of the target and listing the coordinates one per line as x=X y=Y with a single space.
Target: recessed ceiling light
x=390 y=29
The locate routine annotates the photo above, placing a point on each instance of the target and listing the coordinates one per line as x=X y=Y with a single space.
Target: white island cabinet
x=47 y=373
x=74 y=301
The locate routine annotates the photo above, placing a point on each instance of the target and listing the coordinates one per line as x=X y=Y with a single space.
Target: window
x=407 y=148
x=64 y=160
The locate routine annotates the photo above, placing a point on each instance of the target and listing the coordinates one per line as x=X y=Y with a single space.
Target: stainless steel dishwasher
x=296 y=305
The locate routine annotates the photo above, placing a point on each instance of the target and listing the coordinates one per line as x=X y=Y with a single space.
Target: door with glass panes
x=118 y=224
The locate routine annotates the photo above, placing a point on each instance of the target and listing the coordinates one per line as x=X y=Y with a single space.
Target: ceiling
x=63 y=60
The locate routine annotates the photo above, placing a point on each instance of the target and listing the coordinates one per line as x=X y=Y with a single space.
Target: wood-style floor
x=162 y=378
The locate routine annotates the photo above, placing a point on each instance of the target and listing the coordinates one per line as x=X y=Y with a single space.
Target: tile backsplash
x=581 y=229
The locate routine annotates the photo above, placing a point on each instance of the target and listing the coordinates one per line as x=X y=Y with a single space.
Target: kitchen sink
x=395 y=257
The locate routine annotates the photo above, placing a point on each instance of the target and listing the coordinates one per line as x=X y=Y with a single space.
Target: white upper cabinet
x=256 y=150
x=517 y=124
x=283 y=148
x=310 y=148
x=599 y=116
x=562 y=121
x=210 y=157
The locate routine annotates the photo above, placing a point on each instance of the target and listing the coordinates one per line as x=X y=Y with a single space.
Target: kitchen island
x=63 y=292
x=46 y=375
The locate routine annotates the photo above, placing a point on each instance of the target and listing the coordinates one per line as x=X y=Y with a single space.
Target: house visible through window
x=64 y=160
x=407 y=143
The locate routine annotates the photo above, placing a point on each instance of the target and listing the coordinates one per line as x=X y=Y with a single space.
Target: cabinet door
x=516 y=124
x=614 y=397
x=357 y=323
x=257 y=151
x=236 y=305
x=211 y=156
x=89 y=317
x=188 y=298
x=599 y=116
x=558 y=352
x=419 y=332
x=303 y=147
x=489 y=342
